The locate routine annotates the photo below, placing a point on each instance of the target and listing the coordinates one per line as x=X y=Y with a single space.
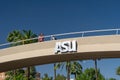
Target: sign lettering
x=66 y=46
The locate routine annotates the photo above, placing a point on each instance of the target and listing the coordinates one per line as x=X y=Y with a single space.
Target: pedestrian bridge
x=88 y=47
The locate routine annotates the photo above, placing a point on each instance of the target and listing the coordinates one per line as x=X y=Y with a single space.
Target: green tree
x=32 y=73
x=18 y=76
x=14 y=36
x=72 y=67
x=89 y=74
x=46 y=77
x=20 y=37
x=60 y=77
x=17 y=36
x=76 y=68
x=118 y=71
x=112 y=79
x=28 y=35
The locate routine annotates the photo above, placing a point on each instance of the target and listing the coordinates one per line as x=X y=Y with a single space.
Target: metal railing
x=114 y=32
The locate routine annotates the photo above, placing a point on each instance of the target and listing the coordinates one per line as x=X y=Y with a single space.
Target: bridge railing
x=71 y=35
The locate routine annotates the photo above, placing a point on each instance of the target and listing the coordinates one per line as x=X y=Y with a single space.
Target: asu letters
x=66 y=46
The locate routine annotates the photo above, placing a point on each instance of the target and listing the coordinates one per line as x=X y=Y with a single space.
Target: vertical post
x=117 y=32
x=96 y=71
x=82 y=34
x=53 y=38
x=54 y=71
x=28 y=73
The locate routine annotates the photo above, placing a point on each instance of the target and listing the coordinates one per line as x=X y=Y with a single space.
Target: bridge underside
x=57 y=58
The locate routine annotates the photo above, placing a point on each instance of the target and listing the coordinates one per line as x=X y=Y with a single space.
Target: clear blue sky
x=59 y=16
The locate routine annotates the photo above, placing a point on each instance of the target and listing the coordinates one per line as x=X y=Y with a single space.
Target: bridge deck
x=96 y=47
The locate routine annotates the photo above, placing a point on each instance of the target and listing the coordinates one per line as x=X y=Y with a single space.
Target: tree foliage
x=60 y=77
x=72 y=67
x=19 y=38
x=32 y=73
x=17 y=74
x=89 y=74
x=118 y=71
x=46 y=77
x=112 y=79
x=76 y=68
x=16 y=36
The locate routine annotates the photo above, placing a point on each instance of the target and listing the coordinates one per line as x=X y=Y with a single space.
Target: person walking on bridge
x=41 y=37
x=53 y=37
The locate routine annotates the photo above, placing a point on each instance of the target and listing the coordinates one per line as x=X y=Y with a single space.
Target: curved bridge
x=93 y=47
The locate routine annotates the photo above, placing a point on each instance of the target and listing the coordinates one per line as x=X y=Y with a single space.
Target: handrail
x=70 y=33
x=84 y=32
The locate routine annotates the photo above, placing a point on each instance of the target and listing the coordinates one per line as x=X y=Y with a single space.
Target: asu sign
x=66 y=46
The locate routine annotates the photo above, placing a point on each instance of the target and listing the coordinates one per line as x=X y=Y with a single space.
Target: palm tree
x=112 y=79
x=61 y=65
x=72 y=67
x=68 y=65
x=89 y=74
x=76 y=69
x=30 y=72
x=28 y=35
x=18 y=76
x=46 y=77
x=60 y=77
x=118 y=71
x=16 y=35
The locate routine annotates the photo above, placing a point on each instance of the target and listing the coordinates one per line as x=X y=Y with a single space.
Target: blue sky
x=60 y=16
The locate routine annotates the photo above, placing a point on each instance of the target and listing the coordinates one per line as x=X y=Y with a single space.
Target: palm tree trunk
x=75 y=76
x=28 y=73
x=14 y=72
x=68 y=73
x=54 y=71
x=96 y=72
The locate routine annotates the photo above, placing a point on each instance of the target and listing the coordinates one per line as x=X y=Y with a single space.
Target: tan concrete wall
x=43 y=52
